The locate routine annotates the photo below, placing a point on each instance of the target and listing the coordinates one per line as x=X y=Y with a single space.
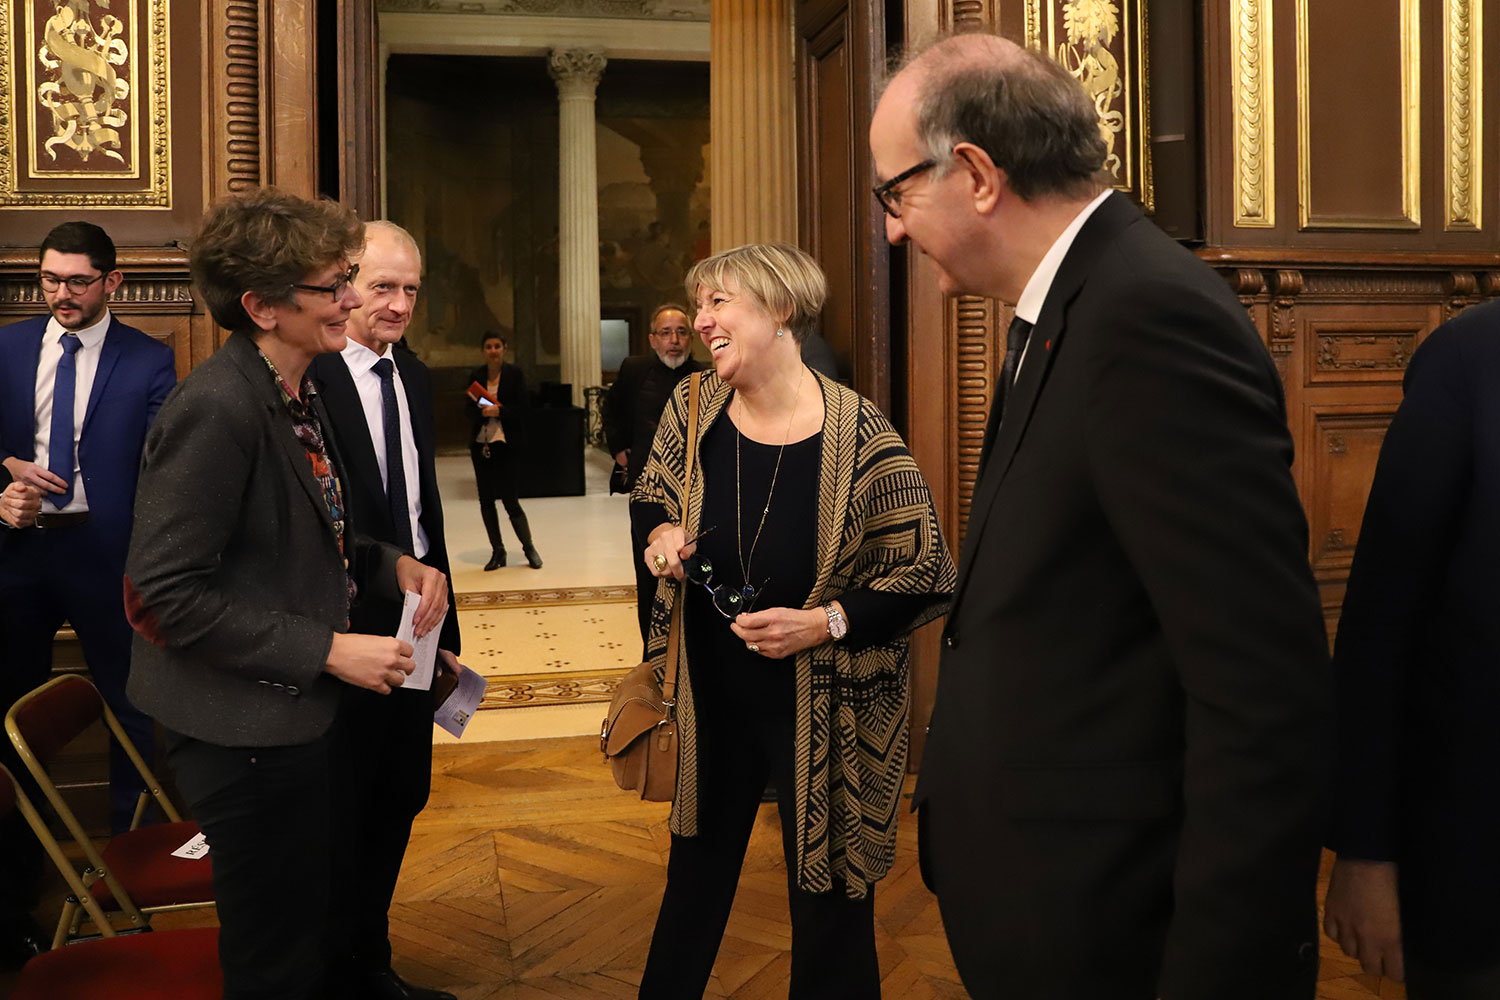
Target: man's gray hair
x=1033 y=119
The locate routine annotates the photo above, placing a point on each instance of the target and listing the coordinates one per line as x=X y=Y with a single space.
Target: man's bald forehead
x=954 y=54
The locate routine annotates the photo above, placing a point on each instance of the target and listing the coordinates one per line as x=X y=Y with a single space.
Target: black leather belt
x=59 y=520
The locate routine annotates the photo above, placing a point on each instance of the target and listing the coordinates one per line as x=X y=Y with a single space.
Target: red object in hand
x=477 y=393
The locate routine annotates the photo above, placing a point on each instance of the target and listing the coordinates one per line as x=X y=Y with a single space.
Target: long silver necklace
x=739 y=523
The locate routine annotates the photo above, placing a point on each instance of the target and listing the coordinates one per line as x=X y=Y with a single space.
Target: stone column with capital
x=577 y=72
x=753 y=157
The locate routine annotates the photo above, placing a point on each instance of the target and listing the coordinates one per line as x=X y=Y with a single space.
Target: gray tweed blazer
x=234 y=580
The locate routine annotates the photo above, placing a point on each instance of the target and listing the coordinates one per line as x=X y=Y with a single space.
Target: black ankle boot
x=523 y=532
x=492 y=529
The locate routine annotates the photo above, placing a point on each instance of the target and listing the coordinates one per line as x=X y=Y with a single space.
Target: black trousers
x=645 y=584
x=48 y=576
x=744 y=739
x=1428 y=982
x=496 y=478
x=266 y=812
x=382 y=773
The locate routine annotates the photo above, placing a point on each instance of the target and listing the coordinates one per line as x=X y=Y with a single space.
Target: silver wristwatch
x=838 y=626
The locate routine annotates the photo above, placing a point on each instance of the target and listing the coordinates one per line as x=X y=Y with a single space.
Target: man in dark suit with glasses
x=78 y=388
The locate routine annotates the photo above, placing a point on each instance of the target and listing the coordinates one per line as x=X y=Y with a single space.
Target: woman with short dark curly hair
x=241 y=571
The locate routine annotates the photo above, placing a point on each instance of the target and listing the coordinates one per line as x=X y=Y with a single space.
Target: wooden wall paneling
x=951 y=358
x=840 y=60
x=291 y=100
x=359 y=76
x=1319 y=137
x=236 y=134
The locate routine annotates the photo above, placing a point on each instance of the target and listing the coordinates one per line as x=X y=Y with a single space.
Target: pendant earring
x=778 y=331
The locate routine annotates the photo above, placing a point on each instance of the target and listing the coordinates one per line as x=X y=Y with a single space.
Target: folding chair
x=163 y=965
x=136 y=873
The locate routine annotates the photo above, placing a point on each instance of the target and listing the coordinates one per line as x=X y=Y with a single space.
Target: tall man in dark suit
x=1416 y=819
x=1120 y=791
x=632 y=409
x=379 y=400
x=78 y=389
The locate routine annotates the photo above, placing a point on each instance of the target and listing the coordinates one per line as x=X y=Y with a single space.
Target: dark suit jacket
x=1127 y=753
x=135 y=374
x=633 y=406
x=235 y=582
x=513 y=402
x=364 y=494
x=1418 y=652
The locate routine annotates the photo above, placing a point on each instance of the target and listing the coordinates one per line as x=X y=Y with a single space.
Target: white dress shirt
x=85 y=367
x=361 y=363
x=1034 y=295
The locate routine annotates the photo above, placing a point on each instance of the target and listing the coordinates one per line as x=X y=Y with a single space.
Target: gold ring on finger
x=660 y=562
x=753 y=648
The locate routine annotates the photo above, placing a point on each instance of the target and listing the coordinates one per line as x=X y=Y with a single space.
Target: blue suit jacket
x=135 y=374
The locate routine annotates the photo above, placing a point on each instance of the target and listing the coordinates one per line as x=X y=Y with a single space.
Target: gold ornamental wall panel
x=1463 y=114
x=84 y=98
x=1103 y=44
x=1253 y=95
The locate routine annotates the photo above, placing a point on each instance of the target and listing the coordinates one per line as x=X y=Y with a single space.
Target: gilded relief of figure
x=1091 y=26
x=83 y=85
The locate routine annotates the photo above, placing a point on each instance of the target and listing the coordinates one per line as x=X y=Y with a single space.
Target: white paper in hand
x=455 y=712
x=424 y=649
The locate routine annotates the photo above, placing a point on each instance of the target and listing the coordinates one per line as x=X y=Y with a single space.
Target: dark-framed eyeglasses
x=77 y=283
x=889 y=197
x=729 y=601
x=336 y=289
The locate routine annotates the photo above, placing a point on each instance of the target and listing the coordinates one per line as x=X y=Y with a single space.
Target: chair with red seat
x=162 y=965
x=136 y=873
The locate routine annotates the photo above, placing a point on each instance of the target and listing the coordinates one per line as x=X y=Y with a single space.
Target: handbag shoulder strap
x=674 y=636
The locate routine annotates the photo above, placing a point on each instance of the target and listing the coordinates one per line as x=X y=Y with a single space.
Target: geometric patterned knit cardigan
x=877 y=528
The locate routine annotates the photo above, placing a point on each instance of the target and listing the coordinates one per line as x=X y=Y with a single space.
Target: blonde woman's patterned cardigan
x=877 y=528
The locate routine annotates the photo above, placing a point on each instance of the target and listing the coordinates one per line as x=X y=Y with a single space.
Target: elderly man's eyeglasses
x=336 y=289
x=728 y=601
x=77 y=283
x=889 y=197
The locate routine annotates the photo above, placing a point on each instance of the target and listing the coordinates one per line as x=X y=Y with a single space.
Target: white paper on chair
x=424 y=649
x=193 y=849
x=455 y=712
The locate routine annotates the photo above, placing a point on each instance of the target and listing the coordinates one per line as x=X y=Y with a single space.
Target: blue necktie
x=395 y=468
x=60 y=444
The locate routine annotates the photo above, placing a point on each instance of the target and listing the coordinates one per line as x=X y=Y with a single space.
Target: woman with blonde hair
x=808 y=551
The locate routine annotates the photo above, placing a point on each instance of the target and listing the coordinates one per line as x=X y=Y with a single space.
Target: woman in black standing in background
x=492 y=447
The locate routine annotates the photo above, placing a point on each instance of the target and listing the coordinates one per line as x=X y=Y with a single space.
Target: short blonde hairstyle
x=782 y=279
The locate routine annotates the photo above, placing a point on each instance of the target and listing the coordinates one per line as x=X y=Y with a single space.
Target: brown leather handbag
x=639 y=735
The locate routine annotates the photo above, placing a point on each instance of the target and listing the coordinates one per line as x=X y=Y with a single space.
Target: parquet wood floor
x=531 y=877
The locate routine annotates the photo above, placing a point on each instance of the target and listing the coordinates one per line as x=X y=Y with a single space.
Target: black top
x=783 y=563
x=633 y=406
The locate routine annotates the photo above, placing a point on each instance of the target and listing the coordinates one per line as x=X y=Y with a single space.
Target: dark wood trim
x=359 y=107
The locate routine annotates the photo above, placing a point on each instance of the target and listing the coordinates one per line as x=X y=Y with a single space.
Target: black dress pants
x=382 y=773
x=48 y=576
x=73 y=574
x=745 y=737
x=1429 y=982
x=495 y=476
x=266 y=813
